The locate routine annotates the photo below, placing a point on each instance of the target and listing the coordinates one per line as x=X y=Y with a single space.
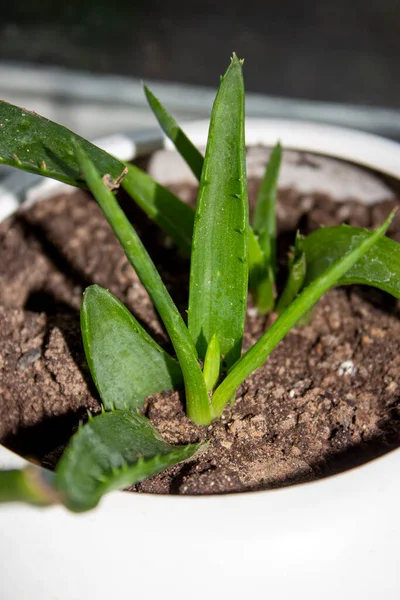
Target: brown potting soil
x=327 y=398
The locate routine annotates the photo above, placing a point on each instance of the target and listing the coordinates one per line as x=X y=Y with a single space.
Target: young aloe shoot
x=120 y=446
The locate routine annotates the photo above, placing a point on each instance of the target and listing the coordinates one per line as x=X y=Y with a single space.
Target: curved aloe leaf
x=125 y=362
x=219 y=267
x=380 y=267
x=33 y=143
x=170 y=127
x=197 y=400
x=112 y=451
x=257 y=354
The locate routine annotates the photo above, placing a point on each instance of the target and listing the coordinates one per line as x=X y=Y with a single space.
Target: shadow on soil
x=44 y=443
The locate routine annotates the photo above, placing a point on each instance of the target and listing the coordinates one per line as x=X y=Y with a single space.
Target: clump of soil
x=327 y=398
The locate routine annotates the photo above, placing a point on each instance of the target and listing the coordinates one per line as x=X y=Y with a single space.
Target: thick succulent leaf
x=380 y=267
x=257 y=354
x=33 y=143
x=186 y=149
x=219 y=266
x=112 y=451
x=125 y=362
x=197 y=400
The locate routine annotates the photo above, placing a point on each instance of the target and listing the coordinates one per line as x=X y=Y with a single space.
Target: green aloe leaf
x=125 y=362
x=184 y=146
x=197 y=400
x=380 y=267
x=219 y=267
x=257 y=354
x=33 y=143
x=112 y=451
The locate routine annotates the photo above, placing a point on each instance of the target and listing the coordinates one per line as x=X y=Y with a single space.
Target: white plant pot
x=333 y=538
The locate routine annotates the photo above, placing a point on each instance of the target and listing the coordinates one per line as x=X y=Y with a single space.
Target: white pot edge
x=311 y=530
x=361 y=148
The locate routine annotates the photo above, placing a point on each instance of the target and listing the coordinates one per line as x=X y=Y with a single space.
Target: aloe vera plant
x=121 y=447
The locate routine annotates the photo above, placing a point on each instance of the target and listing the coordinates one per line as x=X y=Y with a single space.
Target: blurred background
x=81 y=62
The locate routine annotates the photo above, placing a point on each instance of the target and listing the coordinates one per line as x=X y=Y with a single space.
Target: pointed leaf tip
x=236 y=59
x=175 y=133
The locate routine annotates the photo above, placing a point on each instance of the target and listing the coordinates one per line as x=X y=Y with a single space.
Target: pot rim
x=360 y=148
x=350 y=145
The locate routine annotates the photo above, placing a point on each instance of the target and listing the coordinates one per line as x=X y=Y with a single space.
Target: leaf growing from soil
x=170 y=127
x=219 y=267
x=380 y=267
x=257 y=355
x=197 y=400
x=125 y=362
x=112 y=451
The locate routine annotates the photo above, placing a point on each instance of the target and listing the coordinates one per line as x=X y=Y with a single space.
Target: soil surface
x=327 y=399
